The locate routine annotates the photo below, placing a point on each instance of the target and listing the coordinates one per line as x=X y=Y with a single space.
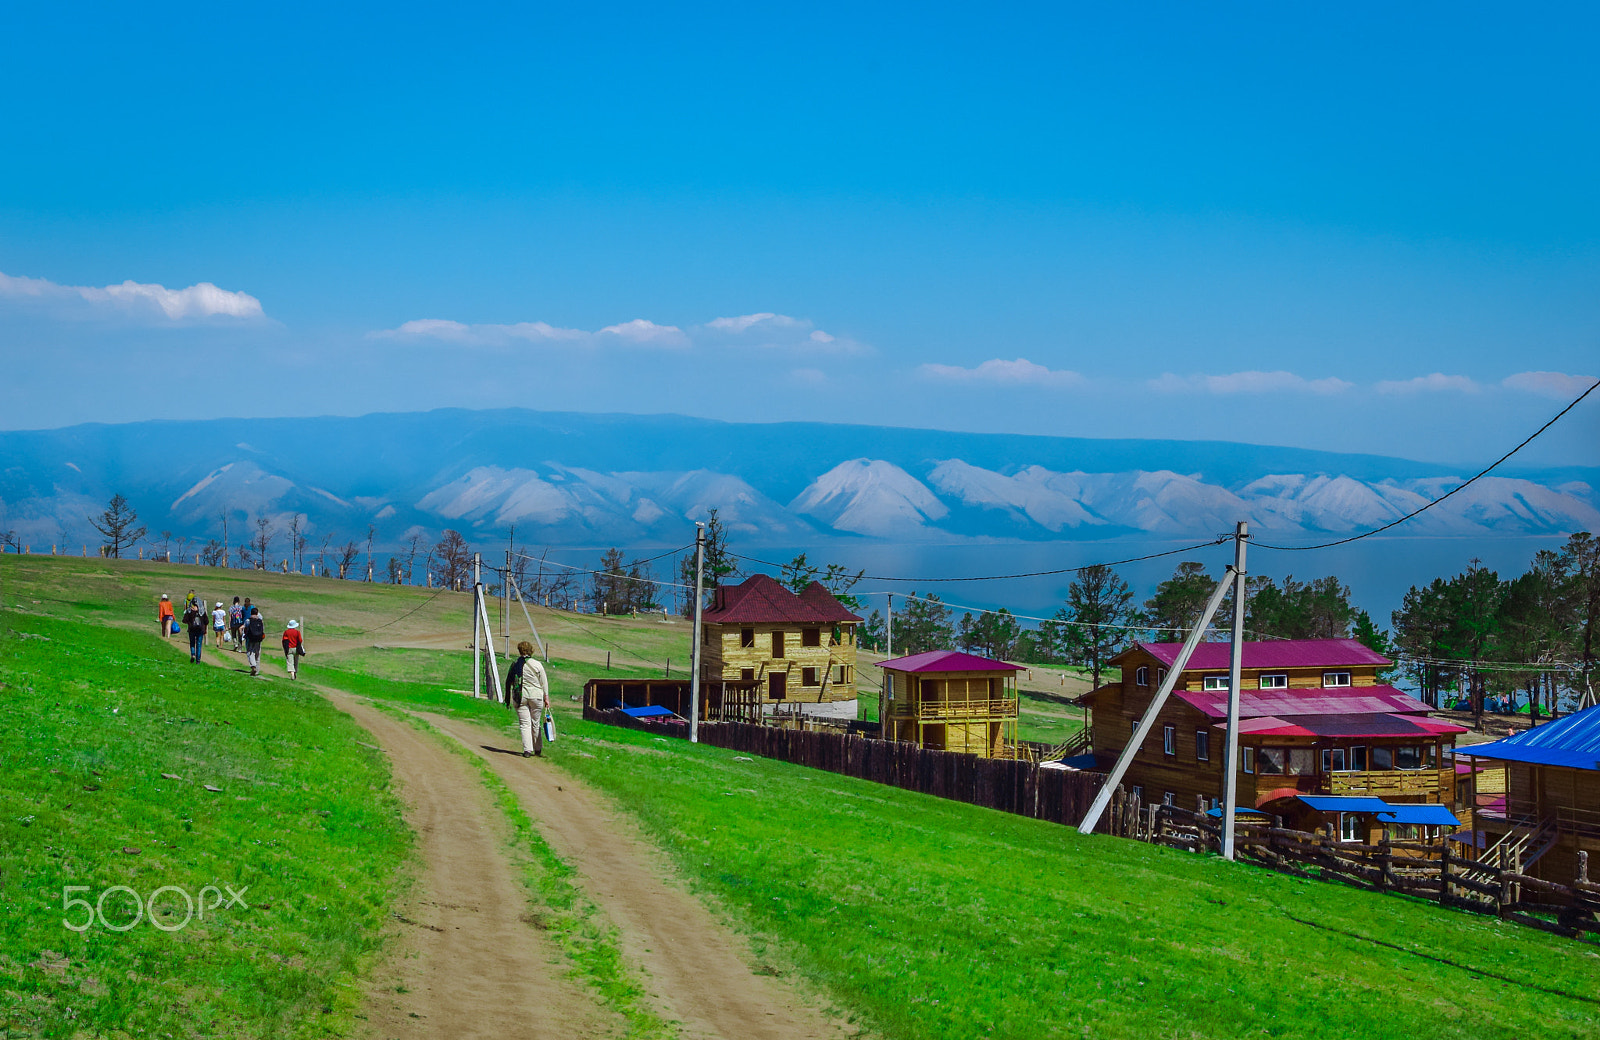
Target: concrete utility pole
x=694 y=653
x=1103 y=799
x=505 y=601
x=888 y=629
x=477 y=628
x=1230 y=759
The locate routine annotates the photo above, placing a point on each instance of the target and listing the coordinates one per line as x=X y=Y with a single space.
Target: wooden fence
x=1428 y=871
x=1057 y=795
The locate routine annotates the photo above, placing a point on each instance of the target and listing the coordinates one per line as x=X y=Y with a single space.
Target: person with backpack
x=195 y=620
x=255 y=630
x=236 y=625
x=529 y=690
x=219 y=622
x=294 y=648
x=164 y=616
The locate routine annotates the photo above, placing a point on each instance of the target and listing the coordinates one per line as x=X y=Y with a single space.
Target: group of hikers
x=241 y=628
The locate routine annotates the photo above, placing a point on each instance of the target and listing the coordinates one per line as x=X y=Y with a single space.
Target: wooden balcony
x=1430 y=784
x=935 y=711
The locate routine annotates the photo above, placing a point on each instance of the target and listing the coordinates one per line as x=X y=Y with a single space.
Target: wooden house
x=949 y=701
x=1314 y=720
x=1548 y=804
x=797 y=648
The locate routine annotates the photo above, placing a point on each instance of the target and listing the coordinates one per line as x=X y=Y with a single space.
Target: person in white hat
x=164 y=616
x=219 y=622
x=294 y=648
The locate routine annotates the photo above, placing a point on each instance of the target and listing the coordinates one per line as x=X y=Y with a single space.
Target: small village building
x=794 y=648
x=1314 y=720
x=945 y=700
x=1542 y=805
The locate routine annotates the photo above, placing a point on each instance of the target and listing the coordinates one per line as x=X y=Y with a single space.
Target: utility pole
x=1230 y=759
x=888 y=629
x=505 y=599
x=477 y=626
x=694 y=653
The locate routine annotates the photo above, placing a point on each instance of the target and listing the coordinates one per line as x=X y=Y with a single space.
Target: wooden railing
x=1435 y=783
x=1001 y=708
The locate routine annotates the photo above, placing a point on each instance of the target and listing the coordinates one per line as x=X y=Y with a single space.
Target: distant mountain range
x=637 y=481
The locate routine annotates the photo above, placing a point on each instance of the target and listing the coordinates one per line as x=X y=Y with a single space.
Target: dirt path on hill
x=465 y=962
x=693 y=961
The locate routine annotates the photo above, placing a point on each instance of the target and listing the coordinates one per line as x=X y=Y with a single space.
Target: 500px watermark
x=194 y=908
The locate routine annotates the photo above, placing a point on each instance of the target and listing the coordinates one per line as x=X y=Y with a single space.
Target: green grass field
x=921 y=918
x=302 y=824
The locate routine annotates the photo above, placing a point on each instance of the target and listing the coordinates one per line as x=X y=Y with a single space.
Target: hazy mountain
x=572 y=479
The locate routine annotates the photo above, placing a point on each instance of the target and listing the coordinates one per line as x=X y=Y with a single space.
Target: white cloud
x=1434 y=383
x=746 y=322
x=1020 y=372
x=648 y=333
x=1251 y=382
x=1558 y=385
x=135 y=299
x=818 y=336
x=487 y=335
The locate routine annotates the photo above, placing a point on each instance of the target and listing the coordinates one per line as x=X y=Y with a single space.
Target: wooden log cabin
x=1536 y=797
x=797 y=648
x=1314 y=720
x=945 y=700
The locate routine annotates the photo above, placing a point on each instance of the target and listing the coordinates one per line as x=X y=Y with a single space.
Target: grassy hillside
x=121 y=764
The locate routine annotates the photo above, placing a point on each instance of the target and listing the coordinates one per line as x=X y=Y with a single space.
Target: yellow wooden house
x=945 y=700
x=798 y=648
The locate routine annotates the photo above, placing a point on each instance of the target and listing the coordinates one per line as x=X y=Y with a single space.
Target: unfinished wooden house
x=1314 y=720
x=1537 y=797
x=796 y=648
x=945 y=700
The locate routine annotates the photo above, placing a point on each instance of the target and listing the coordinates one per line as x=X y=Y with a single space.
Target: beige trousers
x=529 y=717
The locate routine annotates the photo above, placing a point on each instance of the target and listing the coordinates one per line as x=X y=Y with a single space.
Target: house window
x=1168 y=798
x=1358 y=759
x=777 y=683
x=1336 y=678
x=1202 y=746
x=1169 y=740
x=1350 y=828
x=747 y=637
x=1302 y=761
x=808 y=677
x=1275 y=682
x=1272 y=759
x=1216 y=682
x=1383 y=758
x=844 y=673
x=777 y=645
x=1247 y=757
x=1408 y=757
x=1141 y=677
x=811 y=637
x=1161 y=676
x=1333 y=760
x=747 y=674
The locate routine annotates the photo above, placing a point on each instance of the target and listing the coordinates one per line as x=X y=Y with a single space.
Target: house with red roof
x=1314 y=720
x=798 y=648
x=946 y=700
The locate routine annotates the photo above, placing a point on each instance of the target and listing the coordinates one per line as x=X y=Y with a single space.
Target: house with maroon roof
x=799 y=648
x=1314 y=720
x=946 y=700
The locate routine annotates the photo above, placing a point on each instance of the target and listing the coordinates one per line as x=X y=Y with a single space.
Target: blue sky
x=1360 y=229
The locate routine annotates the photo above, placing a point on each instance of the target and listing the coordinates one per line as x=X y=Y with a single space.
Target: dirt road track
x=693 y=961
x=467 y=964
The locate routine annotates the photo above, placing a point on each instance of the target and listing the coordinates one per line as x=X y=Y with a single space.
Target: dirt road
x=466 y=963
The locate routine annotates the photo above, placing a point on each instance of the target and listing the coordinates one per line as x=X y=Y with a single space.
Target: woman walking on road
x=164 y=616
x=236 y=625
x=219 y=622
x=294 y=648
x=195 y=620
x=255 y=630
x=529 y=690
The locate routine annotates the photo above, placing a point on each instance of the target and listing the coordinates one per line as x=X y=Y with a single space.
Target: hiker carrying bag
x=255 y=628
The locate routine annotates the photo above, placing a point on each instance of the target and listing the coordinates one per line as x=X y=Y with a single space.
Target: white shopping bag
x=549 y=728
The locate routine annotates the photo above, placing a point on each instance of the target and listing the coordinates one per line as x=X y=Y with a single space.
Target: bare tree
x=226 y=548
x=213 y=554
x=348 y=554
x=454 y=556
x=263 y=540
x=413 y=545
x=164 y=547
x=297 y=540
x=372 y=532
x=117 y=525
x=13 y=541
x=327 y=540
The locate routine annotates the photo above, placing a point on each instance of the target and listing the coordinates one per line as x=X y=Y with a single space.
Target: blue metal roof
x=1433 y=815
x=1345 y=803
x=1573 y=742
x=653 y=711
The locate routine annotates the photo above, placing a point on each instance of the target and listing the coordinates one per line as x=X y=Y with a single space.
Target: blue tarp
x=1345 y=803
x=1432 y=815
x=1237 y=812
x=1573 y=742
x=652 y=712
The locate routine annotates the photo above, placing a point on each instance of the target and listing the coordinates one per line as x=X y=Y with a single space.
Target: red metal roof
x=1270 y=653
x=1321 y=700
x=948 y=661
x=762 y=600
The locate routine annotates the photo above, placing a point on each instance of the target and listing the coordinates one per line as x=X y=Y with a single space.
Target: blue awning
x=652 y=712
x=1432 y=815
x=1345 y=803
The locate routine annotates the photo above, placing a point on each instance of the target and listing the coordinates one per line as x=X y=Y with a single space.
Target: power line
x=413 y=610
x=1423 y=509
x=1053 y=620
x=611 y=574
